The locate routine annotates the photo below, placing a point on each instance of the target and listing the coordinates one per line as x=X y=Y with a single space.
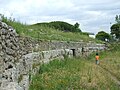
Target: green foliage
x=103 y=36
x=63 y=26
x=115 y=31
x=55 y=64
x=117 y=19
x=48 y=31
x=18 y=26
x=115 y=46
x=58 y=79
x=20 y=78
x=111 y=60
x=79 y=73
x=76 y=25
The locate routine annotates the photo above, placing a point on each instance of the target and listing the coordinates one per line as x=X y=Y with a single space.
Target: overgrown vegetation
x=114 y=32
x=51 y=31
x=103 y=36
x=20 y=78
x=111 y=60
x=62 y=26
x=80 y=73
x=18 y=26
x=47 y=33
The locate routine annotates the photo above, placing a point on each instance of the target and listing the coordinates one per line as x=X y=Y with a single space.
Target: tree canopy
x=117 y=19
x=115 y=31
x=63 y=26
x=103 y=36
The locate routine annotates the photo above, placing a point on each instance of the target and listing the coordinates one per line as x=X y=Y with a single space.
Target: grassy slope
x=46 y=33
x=80 y=74
x=53 y=34
x=111 y=61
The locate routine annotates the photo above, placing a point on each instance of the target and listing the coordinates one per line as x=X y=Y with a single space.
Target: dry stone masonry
x=20 y=57
x=11 y=51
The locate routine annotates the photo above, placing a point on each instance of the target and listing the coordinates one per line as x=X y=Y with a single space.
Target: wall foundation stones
x=21 y=57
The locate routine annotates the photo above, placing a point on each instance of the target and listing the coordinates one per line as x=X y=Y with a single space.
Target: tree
x=115 y=28
x=103 y=36
x=115 y=31
x=64 y=26
x=117 y=18
x=76 y=26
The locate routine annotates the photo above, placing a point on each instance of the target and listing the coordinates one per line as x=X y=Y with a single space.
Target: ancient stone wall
x=20 y=57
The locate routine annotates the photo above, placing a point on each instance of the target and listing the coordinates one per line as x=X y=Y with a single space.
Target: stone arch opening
x=74 y=53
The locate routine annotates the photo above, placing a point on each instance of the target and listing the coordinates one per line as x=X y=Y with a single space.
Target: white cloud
x=91 y=14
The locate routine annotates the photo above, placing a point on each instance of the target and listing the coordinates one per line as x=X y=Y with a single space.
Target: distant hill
x=56 y=30
x=63 y=26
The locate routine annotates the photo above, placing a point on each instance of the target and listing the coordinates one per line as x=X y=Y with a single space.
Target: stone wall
x=21 y=57
x=11 y=50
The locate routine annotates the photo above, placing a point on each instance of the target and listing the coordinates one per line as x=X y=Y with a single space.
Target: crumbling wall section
x=21 y=57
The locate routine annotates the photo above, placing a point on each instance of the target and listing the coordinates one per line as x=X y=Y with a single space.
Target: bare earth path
x=112 y=76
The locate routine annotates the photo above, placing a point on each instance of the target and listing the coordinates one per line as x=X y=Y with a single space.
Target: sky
x=92 y=15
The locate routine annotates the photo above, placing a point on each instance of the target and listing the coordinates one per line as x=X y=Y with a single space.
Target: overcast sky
x=92 y=15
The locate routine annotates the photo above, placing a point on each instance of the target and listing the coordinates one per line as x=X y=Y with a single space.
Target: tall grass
x=80 y=73
x=17 y=25
x=73 y=74
x=110 y=60
x=45 y=33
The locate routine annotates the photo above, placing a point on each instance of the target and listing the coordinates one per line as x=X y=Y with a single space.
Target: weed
x=79 y=73
x=42 y=32
x=20 y=78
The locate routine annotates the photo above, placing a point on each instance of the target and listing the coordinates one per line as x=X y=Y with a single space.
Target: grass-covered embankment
x=80 y=74
x=111 y=60
x=43 y=32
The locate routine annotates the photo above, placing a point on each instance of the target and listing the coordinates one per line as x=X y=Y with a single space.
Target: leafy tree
x=103 y=36
x=76 y=26
x=115 y=31
x=117 y=18
x=115 y=28
x=63 y=26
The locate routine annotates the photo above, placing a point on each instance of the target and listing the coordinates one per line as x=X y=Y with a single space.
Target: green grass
x=47 y=33
x=79 y=73
x=40 y=32
x=111 y=61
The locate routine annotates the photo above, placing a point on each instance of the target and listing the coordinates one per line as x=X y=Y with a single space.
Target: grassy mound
x=44 y=32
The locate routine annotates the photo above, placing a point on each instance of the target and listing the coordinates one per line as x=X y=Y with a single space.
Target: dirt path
x=112 y=76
